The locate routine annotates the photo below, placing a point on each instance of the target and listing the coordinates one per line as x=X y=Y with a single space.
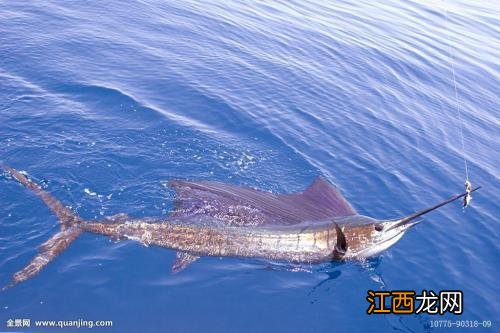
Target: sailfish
x=217 y=219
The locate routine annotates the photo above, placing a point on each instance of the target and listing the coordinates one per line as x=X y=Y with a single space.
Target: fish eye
x=379 y=227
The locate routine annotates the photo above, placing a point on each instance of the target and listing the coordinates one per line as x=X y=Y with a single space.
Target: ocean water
x=104 y=102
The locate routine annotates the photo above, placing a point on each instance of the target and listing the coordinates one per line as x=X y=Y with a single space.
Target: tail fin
x=59 y=242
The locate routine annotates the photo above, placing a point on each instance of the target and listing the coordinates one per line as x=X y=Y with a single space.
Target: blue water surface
x=104 y=102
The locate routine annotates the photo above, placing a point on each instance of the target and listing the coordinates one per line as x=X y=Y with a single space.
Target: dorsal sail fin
x=327 y=196
x=235 y=205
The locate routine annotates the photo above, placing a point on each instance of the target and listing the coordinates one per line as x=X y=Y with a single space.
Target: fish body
x=305 y=243
x=215 y=219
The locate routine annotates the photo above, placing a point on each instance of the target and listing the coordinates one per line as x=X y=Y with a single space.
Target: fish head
x=360 y=237
x=368 y=237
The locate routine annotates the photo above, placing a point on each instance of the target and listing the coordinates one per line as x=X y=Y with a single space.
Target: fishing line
x=468 y=185
x=457 y=100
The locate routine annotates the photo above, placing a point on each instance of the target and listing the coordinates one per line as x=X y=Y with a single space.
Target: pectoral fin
x=341 y=246
x=182 y=260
